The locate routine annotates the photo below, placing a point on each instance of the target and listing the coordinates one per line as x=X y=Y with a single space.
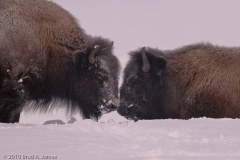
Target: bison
x=46 y=56
x=198 y=80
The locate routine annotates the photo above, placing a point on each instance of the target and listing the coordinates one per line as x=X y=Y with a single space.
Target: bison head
x=142 y=85
x=95 y=83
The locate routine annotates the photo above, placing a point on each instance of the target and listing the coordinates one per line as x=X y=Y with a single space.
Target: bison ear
x=80 y=59
x=111 y=45
x=108 y=47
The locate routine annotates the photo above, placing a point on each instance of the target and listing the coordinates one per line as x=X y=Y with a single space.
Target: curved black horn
x=92 y=54
x=146 y=65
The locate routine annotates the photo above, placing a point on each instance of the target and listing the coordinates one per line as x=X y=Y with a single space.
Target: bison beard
x=199 y=80
x=45 y=55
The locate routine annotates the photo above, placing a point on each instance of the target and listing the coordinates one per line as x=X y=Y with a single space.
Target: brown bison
x=45 y=55
x=199 y=80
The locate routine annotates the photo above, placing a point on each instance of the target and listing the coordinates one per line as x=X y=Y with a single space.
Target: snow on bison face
x=96 y=81
x=142 y=84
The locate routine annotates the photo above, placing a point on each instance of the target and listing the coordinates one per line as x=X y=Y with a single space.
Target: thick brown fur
x=199 y=80
x=44 y=56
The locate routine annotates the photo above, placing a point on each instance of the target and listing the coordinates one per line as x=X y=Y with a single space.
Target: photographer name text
x=25 y=156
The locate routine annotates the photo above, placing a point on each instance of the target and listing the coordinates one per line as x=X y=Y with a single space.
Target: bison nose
x=113 y=107
x=122 y=110
x=109 y=107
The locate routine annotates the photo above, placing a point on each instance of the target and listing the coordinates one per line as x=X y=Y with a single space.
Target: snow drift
x=156 y=139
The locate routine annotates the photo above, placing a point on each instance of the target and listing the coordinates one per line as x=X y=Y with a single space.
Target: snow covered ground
x=151 y=140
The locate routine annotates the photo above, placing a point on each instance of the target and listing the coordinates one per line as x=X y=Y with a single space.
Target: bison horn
x=92 y=54
x=111 y=44
x=146 y=65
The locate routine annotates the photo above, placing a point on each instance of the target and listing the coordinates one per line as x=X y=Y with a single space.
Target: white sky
x=166 y=24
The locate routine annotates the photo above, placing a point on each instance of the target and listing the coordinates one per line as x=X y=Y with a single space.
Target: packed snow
x=151 y=140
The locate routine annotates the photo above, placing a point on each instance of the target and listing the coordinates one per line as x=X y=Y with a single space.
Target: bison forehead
x=103 y=64
x=130 y=71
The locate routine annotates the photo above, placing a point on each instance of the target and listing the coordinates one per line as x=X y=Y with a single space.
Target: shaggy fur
x=199 y=80
x=44 y=56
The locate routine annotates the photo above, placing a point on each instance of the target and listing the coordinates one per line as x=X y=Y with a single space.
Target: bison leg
x=15 y=116
x=10 y=109
x=9 y=116
x=11 y=102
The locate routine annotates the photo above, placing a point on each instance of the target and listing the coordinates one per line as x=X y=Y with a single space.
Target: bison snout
x=123 y=110
x=128 y=111
x=112 y=107
x=108 y=107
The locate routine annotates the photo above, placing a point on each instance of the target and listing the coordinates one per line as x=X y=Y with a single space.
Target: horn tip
x=96 y=46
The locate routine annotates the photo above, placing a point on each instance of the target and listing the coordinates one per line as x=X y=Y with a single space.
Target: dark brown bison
x=200 y=80
x=45 y=55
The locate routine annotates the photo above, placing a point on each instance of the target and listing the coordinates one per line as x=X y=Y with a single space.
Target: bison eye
x=132 y=80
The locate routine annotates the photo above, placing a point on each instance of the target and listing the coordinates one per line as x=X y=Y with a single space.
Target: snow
x=151 y=140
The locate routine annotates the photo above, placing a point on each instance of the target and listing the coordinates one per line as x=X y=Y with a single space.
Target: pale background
x=166 y=24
